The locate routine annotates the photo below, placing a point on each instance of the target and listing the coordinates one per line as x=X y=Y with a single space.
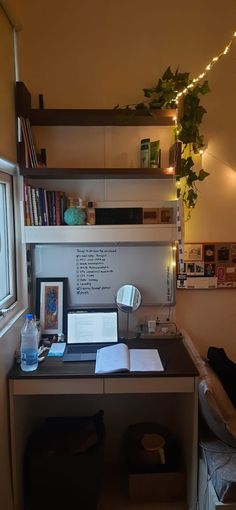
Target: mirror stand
x=128 y=299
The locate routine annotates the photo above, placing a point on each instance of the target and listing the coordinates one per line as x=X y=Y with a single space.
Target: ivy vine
x=164 y=95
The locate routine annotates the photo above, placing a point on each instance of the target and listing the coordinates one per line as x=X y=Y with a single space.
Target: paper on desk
x=145 y=360
x=57 y=349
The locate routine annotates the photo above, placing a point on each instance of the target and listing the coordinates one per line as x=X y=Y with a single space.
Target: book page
x=145 y=360
x=114 y=358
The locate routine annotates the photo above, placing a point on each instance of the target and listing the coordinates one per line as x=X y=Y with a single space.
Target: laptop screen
x=92 y=326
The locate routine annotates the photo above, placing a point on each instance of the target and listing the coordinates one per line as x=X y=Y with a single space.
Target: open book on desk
x=119 y=358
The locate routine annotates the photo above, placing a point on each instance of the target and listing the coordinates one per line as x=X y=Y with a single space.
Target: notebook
x=88 y=330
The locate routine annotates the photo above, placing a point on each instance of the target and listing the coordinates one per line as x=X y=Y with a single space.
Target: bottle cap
x=29 y=316
x=90 y=204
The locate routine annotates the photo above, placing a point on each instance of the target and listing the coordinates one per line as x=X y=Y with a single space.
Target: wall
x=98 y=54
x=9 y=340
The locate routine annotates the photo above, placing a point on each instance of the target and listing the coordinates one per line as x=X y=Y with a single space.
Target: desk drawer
x=149 y=385
x=57 y=386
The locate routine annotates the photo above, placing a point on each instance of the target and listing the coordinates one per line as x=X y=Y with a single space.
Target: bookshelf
x=93 y=117
x=53 y=233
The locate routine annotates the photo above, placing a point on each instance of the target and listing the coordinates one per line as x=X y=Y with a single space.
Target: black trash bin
x=63 y=464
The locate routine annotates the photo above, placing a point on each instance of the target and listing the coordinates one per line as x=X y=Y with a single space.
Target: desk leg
x=20 y=426
x=13 y=446
x=188 y=416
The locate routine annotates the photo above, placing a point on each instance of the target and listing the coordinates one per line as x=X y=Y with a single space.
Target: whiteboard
x=95 y=272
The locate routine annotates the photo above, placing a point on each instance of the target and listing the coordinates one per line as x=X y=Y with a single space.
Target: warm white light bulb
x=170 y=170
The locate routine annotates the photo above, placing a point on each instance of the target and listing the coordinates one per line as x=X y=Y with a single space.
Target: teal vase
x=74 y=216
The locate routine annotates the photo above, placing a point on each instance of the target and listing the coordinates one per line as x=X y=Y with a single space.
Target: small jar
x=90 y=214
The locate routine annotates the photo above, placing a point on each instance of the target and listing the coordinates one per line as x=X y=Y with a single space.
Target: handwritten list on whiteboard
x=96 y=272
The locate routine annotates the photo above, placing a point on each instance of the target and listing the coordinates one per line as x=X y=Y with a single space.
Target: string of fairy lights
x=178 y=97
x=208 y=68
x=194 y=82
x=198 y=78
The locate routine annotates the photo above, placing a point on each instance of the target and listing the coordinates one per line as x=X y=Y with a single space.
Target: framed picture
x=51 y=304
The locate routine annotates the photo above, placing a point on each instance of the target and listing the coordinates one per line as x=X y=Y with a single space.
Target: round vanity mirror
x=128 y=298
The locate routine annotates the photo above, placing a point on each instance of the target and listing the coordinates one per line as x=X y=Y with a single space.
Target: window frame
x=11 y=298
x=9 y=315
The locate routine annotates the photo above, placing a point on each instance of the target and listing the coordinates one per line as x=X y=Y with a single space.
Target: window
x=7 y=243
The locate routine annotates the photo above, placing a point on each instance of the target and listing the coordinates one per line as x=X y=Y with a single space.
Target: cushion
x=199 y=362
x=221 y=463
x=225 y=369
x=217 y=408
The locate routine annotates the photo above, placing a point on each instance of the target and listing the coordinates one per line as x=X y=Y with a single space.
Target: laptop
x=88 y=330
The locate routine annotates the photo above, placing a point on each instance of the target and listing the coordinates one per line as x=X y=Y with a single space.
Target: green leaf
x=149 y=92
x=204 y=88
x=168 y=75
x=202 y=175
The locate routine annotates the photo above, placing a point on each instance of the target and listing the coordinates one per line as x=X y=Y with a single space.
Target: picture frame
x=51 y=304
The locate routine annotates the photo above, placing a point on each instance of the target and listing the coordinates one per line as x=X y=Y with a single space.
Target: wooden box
x=157 y=486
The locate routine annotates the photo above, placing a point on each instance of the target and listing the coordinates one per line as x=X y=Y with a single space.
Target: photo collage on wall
x=208 y=266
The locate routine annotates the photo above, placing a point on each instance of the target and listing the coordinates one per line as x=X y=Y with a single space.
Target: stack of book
x=43 y=207
x=31 y=160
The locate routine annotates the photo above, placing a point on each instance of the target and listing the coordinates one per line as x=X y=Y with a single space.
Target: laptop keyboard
x=74 y=349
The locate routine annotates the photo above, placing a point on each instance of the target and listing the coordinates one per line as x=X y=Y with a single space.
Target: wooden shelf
x=88 y=117
x=96 y=173
x=100 y=117
x=100 y=234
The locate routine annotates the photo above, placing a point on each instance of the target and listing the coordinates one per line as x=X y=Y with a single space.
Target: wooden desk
x=55 y=379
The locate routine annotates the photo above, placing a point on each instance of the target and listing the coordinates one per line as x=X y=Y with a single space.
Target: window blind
x=7 y=89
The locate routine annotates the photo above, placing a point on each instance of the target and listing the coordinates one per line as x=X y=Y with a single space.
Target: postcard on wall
x=197 y=283
x=223 y=253
x=209 y=252
x=208 y=265
x=233 y=253
x=192 y=252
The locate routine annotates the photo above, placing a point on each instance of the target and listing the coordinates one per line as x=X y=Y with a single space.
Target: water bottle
x=29 y=345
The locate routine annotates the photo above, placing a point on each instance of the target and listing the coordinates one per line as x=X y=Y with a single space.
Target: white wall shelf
x=100 y=233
